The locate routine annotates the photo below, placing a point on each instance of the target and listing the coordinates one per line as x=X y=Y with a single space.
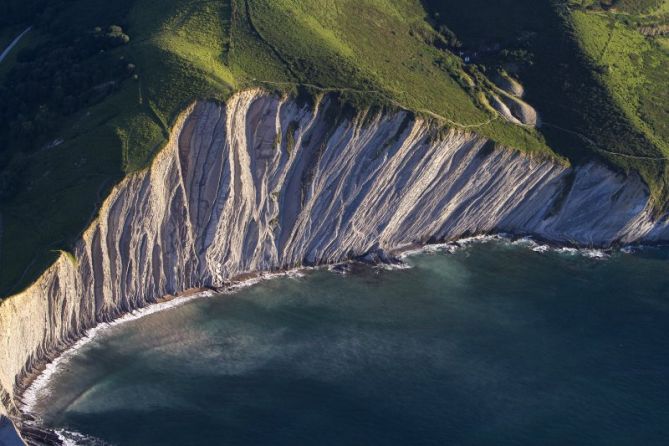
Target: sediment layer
x=265 y=183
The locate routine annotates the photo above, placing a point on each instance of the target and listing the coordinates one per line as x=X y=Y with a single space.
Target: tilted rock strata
x=264 y=183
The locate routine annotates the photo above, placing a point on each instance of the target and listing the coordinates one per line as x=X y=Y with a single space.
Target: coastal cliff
x=266 y=183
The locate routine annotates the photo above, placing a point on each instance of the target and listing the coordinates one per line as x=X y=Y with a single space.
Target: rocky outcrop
x=514 y=109
x=265 y=183
x=500 y=107
x=508 y=84
x=654 y=30
x=507 y=101
x=521 y=110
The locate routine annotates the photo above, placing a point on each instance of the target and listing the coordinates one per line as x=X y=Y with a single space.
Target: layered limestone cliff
x=265 y=183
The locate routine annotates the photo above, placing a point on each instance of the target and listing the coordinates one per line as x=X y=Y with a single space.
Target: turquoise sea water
x=493 y=345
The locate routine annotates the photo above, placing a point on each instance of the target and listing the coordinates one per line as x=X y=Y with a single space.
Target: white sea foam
x=72 y=438
x=568 y=251
x=296 y=273
x=535 y=246
x=340 y=268
x=480 y=239
x=39 y=388
x=393 y=266
x=449 y=247
x=527 y=242
x=411 y=252
x=442 y=247
x=524 y=242
x=594 y=253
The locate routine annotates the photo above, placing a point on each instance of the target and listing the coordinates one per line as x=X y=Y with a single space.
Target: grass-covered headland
x=90 y=93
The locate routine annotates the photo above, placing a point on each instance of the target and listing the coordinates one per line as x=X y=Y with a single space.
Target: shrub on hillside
x=58 y=78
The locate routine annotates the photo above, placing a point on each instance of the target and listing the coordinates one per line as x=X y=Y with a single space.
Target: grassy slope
x=664 y=42
x=65 y=184
x=634 y=70
x=323 y=43
x=374 y=52
x=190 y=49
x=587 y=114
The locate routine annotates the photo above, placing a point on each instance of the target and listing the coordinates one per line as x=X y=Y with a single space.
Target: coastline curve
x=264 y=183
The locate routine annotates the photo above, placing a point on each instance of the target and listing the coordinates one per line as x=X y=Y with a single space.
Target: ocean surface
x=494 y=344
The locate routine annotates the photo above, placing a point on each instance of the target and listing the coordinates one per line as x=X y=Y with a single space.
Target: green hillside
x=633 y=65
x=599 y=83
x=90 y=93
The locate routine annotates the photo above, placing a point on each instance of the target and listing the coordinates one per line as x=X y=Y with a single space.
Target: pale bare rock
x=508 y=103
x=508 y=84
x=503 y=109
x=233 y=193
x=521 y=110
x=654 y=30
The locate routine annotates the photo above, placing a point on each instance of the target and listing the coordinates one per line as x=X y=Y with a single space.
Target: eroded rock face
x=264 y=183
x=508 y=84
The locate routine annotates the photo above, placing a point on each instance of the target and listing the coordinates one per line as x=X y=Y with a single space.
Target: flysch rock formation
x=264 y=183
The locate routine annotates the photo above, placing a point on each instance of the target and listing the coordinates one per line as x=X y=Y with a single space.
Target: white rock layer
x=264 y=183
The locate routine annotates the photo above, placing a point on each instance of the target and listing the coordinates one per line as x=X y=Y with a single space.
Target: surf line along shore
x=208 y=234
x=38 y=389
x=13 y=43
x=35 y=384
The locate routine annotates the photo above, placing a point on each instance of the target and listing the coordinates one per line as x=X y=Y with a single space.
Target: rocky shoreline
x=35 y=434
x=266 y=184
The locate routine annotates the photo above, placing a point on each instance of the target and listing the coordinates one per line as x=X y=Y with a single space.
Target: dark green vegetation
x=601 y=86
x=54 y=191
x=58 y=78
x=91 y=92
x=371 y=52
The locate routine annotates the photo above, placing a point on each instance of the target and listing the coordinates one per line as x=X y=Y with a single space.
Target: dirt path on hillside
x=384 y=96
x=596 y=147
